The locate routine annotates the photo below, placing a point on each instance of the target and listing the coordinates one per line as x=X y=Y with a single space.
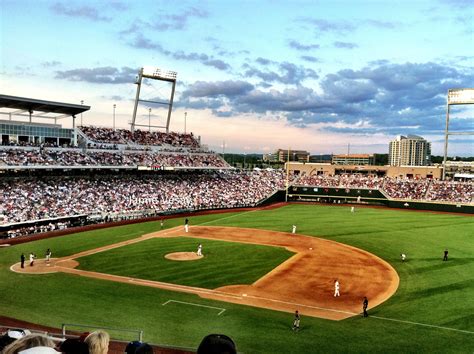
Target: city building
x=327 y=169
x=353 y=159
x=281 y=155
x=410 y=150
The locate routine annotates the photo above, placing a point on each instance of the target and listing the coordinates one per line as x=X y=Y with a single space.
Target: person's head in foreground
x=98 y=342
x=216 y=344
x=38 y=341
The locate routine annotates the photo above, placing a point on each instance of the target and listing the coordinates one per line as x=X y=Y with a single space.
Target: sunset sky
x=253 y=75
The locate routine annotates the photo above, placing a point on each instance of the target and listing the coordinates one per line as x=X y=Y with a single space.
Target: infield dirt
x=305 y=282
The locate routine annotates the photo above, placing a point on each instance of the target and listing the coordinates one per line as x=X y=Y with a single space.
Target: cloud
x=287 y=73
x=177 y=21
x=456 y=4
x=118 y=5
x=264 y=61
x=343 y=27
x=141 y=42
x=345 y=45
x=322 y=25
x=100 y=75
x=388 y=98
x=382 y=24
x=219 y=88
x=310 y=59
x=217 y=63
x=50 y=64
x=79 y=11
x=302 y=47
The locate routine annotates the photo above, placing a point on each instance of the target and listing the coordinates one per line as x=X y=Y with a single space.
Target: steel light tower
x=154 y=74
x=114 y=115
x=461 y=96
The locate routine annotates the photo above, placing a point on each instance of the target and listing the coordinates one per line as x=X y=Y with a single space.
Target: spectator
x=98 y=342
x=29 y=341
x=217 y=344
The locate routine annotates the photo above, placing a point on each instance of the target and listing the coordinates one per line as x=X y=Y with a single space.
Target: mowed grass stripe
x=224 y=263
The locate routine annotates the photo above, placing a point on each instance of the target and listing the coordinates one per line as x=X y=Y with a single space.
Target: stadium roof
x=32 y=105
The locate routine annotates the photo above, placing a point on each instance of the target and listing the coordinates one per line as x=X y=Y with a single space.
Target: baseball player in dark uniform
x=365 y=304
x=445 y=258
x=22 y=259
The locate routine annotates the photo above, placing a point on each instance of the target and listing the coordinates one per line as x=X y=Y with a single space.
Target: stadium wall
x=369 y=196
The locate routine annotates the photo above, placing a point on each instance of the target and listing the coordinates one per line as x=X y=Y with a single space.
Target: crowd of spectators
x=342 y=181
x=51 y=197
x=405 y=188
x=462 y=192
x=24 y=341
x=71 y=157
x=425 y=189
x=140 y=137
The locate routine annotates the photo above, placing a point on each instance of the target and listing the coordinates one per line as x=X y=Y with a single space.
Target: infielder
x=293 y=231
x=199 y=251
x=186 y=225
x=403 y=257
x=336 y=288
x=296 y=322
x=48 y=255
x=365 y=304
x=32 y=259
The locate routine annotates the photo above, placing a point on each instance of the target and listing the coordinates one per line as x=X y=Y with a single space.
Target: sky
x=253 y=76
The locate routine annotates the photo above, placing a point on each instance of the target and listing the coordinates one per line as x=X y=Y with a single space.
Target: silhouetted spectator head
x=145 y=348
x=74 y=346
x=132 y=347
x=217 y=344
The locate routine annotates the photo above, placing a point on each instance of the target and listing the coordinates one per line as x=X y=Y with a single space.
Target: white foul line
x=301 y=305
x=228 y=217
x=193 y=304
x=423 y=324
x=354 y=314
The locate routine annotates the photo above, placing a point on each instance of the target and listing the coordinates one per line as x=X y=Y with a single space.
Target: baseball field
x=255 y=273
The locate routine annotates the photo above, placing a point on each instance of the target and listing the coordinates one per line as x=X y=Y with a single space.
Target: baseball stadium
x=152 y=237
x=304 y=185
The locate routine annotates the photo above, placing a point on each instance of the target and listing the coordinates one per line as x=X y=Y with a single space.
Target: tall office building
x=410 y=150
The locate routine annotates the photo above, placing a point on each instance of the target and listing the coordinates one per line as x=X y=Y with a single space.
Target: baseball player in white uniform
x=352 y=209
x=186 y=225
x=199 y=251
x=293 y=230
x=336 y=288
x=48 y=255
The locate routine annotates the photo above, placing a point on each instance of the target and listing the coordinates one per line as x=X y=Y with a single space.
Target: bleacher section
x=394 y=188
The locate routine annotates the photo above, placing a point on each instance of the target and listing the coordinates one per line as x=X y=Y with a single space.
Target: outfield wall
x=369 y=196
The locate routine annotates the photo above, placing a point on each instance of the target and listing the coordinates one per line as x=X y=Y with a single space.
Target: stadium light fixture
x=157 y=73
x=461 y=96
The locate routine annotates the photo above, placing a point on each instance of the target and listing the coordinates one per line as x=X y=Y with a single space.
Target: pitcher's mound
x=183 y=256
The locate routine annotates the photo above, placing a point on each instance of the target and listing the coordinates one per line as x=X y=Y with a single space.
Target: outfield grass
x=431 y=292
x=220 y=266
